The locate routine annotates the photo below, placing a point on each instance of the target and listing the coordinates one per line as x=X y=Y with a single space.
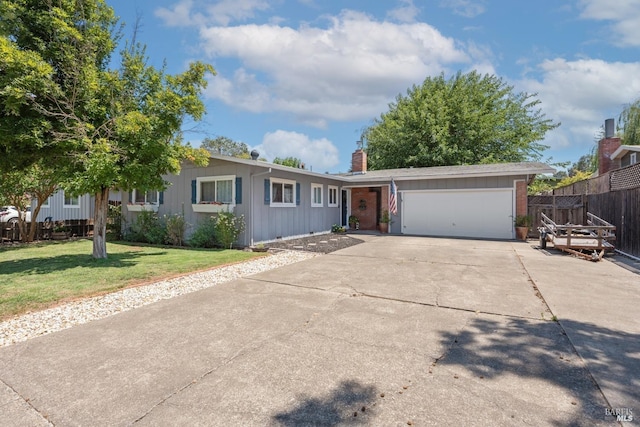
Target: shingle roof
x=437 y=172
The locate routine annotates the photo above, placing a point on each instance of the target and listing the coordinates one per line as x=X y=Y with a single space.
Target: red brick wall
x=359 y=161
x=367 y=216
x=521 y=198
x=606 y=147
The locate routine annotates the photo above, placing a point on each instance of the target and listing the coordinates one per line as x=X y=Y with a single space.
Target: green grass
x=36 y=276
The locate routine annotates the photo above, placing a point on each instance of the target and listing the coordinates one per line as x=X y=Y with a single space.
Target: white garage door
x=459 y=213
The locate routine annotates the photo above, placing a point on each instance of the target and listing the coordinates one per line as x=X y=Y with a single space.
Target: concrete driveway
x=395 y=331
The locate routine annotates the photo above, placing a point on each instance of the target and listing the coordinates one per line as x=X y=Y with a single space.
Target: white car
x=9 y=215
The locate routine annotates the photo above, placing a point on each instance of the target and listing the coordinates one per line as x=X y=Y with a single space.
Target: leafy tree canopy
x=578 y=176
x=292 y=162
x=587 y=163
x=468 y=119
x=629 y=123
x=20 y=188
x=61 y=104
x=226 y=147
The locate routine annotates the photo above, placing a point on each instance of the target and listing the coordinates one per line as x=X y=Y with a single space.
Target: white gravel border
x=64 y=316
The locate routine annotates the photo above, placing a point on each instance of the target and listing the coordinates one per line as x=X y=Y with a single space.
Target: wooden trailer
x=589 y=241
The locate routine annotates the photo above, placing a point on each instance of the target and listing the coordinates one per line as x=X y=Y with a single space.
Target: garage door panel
x=466 y=213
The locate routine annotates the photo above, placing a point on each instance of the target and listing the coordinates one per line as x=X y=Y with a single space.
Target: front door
x=345 y=208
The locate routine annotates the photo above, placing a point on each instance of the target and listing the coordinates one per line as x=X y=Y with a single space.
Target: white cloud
x=319 y=154
x=466 y=8
x=582 y=94
x=225 y=11
x=180 y=15
x=222 y=12
x=407 y=12
x=347 y=71
x=625 y=15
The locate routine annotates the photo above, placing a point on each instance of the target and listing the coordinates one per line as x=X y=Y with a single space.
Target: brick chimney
x=359 y=161
x=606 y=147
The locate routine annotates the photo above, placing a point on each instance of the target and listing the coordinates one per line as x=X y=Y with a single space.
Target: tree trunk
x=22 y=228
x=100 y=224
x=34 y=224
x=41 y=195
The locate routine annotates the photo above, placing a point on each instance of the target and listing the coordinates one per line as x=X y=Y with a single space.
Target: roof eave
x=455 y=175
x=622 y=150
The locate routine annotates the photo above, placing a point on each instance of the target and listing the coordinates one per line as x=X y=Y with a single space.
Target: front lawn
x=36 y=276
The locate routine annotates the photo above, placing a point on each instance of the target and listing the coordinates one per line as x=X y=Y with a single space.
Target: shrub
x=147 y=228
x=176 y=228
x=335 y=228
x=227 y=228
x=204 y=236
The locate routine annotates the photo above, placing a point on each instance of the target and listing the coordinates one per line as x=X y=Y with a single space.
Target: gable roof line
x=268 y=165
x=436 y=172
x=622 y=150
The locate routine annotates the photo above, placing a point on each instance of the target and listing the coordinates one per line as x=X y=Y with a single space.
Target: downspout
x=251 y=209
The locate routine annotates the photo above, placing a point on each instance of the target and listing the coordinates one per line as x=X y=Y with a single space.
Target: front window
x=71 y=201
x=216 y=190
x=316 y=195
x=145 y=197
x=333 y=196
x=283 y=193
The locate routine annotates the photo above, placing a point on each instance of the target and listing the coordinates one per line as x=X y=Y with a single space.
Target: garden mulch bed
x=322 y=243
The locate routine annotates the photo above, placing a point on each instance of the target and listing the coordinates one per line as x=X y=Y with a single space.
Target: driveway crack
x=28 y=403
x=448 y=349
x=240 y=353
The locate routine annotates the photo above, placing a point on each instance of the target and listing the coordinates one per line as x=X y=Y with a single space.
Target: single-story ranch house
x=478 y=201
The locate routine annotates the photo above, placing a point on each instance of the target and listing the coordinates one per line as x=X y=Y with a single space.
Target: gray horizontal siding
x=58 y=212
x=268 y=222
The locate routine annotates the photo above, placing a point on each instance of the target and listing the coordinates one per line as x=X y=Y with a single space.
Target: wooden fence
x=622 y=209
x=73 y=227
x=614 y=197
x=569 y=209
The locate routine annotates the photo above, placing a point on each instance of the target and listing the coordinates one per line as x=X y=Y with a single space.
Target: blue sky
x=303 y=78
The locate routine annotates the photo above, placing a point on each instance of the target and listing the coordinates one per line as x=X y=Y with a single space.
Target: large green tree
x=226 y=147
x=467 y=119
x=110 y=128
x=629 y=123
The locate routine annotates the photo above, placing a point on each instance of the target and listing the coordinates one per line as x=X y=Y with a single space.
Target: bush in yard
x=176 y=228
x=227 y=228
x=147 y=228
x=204 y=236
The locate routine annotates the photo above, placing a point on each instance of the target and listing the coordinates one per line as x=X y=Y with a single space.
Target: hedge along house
x=277 y=201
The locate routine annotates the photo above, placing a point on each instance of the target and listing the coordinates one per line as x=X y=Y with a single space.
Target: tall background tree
x=587 y=164
x=468 y=119
x=108 y=128
x=292 y=162
x=226 y=147
x=629 y=123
